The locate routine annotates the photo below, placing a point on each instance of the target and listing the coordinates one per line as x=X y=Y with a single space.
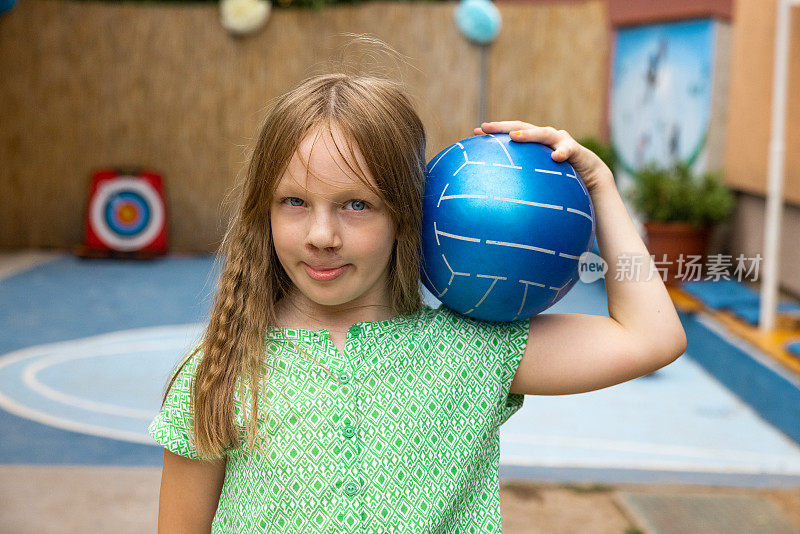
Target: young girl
x=324 y=396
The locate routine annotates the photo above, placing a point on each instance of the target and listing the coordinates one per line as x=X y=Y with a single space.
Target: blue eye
x=361 y=203
x=357 y=205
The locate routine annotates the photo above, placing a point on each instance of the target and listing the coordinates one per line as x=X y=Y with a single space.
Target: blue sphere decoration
x=6 y=5
x=478 y=20
x=503 y=227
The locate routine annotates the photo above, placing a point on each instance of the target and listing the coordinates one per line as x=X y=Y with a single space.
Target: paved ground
x=120 y=500
x=77 y=334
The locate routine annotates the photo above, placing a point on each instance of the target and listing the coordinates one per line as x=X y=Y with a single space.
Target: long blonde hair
x=374 y=114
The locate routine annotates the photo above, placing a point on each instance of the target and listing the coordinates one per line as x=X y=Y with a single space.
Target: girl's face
x=326 y=219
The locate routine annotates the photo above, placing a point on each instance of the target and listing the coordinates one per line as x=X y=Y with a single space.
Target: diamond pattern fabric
x=397 y=434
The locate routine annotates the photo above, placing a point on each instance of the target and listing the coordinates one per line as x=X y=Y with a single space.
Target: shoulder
x=444 y=316
x=173 y=426
x=182 y=375
x=444 y=323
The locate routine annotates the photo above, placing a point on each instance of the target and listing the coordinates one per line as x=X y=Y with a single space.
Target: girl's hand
x=594 y=173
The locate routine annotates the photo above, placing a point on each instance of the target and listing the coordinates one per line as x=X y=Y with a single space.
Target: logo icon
x=591 y=267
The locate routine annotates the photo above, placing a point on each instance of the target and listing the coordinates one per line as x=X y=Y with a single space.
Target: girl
x=324 y=396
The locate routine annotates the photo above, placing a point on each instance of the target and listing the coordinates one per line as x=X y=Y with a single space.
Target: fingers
x=560 y=141
x=500 y=127
x=547 y=135
x=505 y=126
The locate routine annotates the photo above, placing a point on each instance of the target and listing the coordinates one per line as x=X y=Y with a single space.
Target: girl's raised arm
x=574 y=353
x=189 y=494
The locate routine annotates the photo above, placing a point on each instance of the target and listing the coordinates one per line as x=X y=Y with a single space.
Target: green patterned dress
x=397 y=435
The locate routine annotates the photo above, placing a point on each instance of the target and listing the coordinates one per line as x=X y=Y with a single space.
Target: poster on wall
x=662 y=81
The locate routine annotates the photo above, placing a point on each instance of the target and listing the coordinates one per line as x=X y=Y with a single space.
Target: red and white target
x=126 y=212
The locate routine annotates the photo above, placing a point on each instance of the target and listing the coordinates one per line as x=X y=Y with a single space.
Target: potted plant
x=680 y=209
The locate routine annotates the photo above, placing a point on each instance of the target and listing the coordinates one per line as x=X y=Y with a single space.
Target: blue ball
x=503 y=228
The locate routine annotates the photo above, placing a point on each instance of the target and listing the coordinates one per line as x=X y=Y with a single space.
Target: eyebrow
x=361 y=192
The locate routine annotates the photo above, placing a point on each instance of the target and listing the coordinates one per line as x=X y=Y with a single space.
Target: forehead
x=318 y=166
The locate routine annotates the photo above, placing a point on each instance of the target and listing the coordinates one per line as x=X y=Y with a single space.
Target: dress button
x=348 y=431
x=344 y=377
x=356 y=330
x=350 y=489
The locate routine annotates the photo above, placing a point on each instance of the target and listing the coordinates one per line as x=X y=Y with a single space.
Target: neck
x=294 y=312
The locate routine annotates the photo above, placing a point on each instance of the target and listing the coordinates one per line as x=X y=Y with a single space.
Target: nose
x=323 y=231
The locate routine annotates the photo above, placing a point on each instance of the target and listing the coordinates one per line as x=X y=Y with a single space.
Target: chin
x=331 y=296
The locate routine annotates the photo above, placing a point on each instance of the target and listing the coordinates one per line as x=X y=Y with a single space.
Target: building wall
x=745 y=235
x=750 y=100
x=741 y=119
x=748 y=134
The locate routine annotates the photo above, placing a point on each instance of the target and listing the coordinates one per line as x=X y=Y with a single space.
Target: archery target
x=126 y=213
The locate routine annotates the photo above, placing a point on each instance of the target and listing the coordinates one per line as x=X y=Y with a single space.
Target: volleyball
x=504 y=227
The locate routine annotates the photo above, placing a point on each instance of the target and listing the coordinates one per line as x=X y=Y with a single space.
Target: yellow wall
x=750 y=100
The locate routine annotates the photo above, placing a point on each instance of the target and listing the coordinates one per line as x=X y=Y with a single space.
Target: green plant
x=604 y=150
x=676 y=194
x=588 y=488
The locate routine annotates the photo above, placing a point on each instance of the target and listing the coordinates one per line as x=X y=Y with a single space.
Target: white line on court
x=30 y=379
x=174 y=338
x=74 y=426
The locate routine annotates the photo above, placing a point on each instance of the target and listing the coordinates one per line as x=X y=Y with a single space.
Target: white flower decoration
x=241 y=17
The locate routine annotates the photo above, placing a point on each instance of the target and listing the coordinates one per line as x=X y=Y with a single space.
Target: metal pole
x=483 y=82
x=777 y=152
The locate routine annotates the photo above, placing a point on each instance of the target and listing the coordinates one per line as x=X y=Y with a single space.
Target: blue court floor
x=86 y=346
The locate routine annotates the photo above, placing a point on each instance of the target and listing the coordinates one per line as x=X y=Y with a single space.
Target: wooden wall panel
x=550 y=66
x=627 y=12
x=750 y=100
x=93 y=84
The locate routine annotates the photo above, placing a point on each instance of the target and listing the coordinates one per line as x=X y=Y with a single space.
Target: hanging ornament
x=6 y=5
x=478 y=20
x=242 y=17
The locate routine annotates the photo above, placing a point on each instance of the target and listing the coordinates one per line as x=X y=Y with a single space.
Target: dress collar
x=360 y=329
